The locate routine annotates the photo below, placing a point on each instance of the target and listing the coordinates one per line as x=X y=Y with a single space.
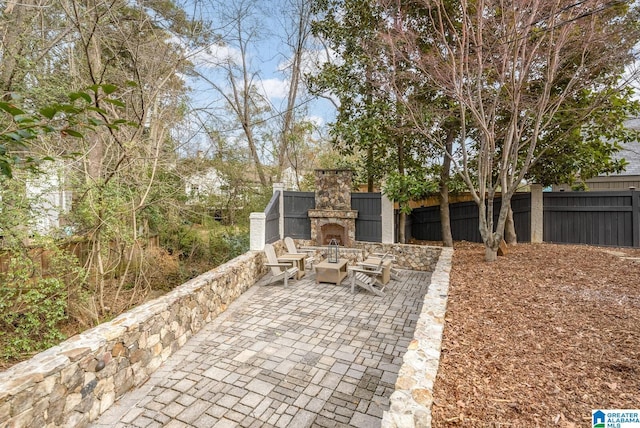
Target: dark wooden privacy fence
x=272 y=220
x=597 y=218
x=296 y=220
x=425 y=222
x=298 y=226
x=369 y=221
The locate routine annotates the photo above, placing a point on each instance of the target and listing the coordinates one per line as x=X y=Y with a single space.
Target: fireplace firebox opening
x=331 y=231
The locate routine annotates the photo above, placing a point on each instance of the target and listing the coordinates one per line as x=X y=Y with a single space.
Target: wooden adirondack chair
x=367 y=277
x=291 y=248
x=394 y=271
x=280 y=271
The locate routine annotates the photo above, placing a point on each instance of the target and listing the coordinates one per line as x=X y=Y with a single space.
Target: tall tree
x=121 y=43
x=510 y=68
x=120 y=65
x=364 y=119
x=296 y=27
x=372 y=119
x=236 y=76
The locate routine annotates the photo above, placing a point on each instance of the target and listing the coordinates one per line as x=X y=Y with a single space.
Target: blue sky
x=266 y=57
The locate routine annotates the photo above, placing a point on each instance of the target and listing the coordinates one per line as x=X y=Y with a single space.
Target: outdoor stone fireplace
x=333 y=217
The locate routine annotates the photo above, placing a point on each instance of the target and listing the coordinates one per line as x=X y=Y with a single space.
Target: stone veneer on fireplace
x=333 y=217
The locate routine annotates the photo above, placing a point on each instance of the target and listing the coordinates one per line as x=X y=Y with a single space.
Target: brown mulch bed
x=539 y=337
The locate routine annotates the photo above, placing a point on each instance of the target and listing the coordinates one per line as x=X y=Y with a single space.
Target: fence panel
x=272 y=221
x=369 y=221
x=296 y=221
x=425 y=222
x=521 y=207
x=596 y=218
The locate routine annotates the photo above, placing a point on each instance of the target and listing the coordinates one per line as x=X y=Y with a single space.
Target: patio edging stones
x=412 y=400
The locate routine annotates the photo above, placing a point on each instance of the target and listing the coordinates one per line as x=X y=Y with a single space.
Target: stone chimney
x=333 y=217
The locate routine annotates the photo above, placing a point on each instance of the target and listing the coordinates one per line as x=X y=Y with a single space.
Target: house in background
x=204 y=184
x=625 y=180
x=290 y=179
x=48 y=198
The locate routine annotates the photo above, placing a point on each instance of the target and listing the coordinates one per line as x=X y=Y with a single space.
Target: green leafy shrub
x=184 y=240
x=34 y=295
x=227 y=245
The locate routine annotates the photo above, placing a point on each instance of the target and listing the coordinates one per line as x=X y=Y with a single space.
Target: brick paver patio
x=305 y=356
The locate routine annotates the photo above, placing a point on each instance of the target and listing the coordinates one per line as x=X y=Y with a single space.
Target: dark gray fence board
x=596 y=218
x=521 y=207
x=296 y=220
x=368 y=224
x=272 y=220
x=369 y=220
x=464 y=220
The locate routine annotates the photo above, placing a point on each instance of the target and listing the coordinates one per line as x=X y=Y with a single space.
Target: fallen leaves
x=539 y=337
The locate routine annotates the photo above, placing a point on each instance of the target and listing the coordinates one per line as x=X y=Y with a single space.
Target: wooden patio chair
x=394 y=272
x=280 y=271
x=292 y=249
x=367 y=277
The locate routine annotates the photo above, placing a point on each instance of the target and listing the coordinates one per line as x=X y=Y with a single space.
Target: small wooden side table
x=331 y=272
x=296 y=260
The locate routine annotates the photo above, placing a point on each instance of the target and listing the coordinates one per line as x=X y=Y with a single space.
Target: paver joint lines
x=306 y=356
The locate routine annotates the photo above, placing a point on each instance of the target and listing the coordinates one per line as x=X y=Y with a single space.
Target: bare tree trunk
x=16 y=17
x=403 y=217
x=445 y=216
x=490 y=254
x=490 y=238
x=254 y=150
x=402 y=224
x=243 y=101
x=445 y=174
x=510 y=228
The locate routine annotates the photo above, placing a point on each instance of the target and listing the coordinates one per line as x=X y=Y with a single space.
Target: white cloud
x=216 y=54
x=316 y=120
x=275 y=88
x=211 y=56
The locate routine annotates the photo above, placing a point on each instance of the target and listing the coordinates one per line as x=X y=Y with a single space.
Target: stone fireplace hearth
x=333 y=217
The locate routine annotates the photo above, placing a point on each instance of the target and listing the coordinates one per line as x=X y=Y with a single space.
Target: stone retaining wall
x=414 y=257
x=412 y=400
x=73 y=383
